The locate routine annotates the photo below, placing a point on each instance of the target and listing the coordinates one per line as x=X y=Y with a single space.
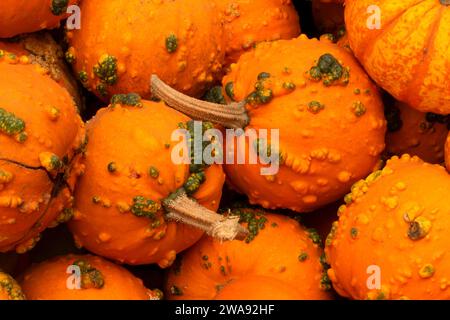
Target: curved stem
x=183 y=209
x=233 y=115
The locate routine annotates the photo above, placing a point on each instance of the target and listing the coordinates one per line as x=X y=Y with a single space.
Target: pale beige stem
x=233 y=115
x=183 y=209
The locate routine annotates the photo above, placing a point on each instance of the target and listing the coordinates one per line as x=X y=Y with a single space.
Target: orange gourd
x=23 y=16
x=99 y=279
x=247 y=23
x=278 y=261
x=42 y=49
x=41 y=137
x=129 y=177
x=394 y=229
x=407 y=54
x=416 y=133
x=9 y=289
x=328 y=113
x=181 y=41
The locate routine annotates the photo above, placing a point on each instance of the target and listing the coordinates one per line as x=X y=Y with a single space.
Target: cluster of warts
x=90 y=276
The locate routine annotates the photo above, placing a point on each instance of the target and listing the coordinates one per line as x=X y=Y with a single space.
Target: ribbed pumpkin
x=23 y=16
x=41 y=136
x=181 y=41
x=279 y=261
x=42 y=49
x=129 y=176
x=9 y=289
x=408 y=55
x=416 y=133
x=99 y=279
x=396 y=221
x=247 y=23
x=328 y=113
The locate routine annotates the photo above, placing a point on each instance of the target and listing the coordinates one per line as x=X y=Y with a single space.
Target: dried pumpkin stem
x=183 y=209
x=233 y=115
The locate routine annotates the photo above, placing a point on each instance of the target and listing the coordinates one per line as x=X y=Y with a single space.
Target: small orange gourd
x=131 y=179
x=328 y=114
x=279 y=261
x=247 y=23
x=24 y=16
x=42 y=49
x=403 y=45
x=416 y=133
x=41 y=137
x=391 y=240
x=83 y=277
x=181 y=41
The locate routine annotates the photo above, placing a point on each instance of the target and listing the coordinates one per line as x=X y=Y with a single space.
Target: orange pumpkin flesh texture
x=135 y=163
x=415 y=133
x=9 y=289
x=23 y=16
x=408 y=54
x=247 y=23
x=397 y=220
x=41 y=135
x=183 y=42
x=42 y=49
x=280 y=262
x=100 y=280
x=323 y=151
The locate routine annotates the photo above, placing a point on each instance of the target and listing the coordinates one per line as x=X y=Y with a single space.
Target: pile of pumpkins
x=363 y=117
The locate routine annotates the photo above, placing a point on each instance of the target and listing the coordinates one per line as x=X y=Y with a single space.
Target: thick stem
x=185 y=210
x=233 y=115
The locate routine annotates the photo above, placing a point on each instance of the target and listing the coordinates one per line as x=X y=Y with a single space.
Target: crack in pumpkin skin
x=38 y=183
x=232 y=270
x=403 y=221
x=25 y=16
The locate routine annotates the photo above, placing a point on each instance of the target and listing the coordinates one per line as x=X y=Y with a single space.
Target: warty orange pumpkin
x=24 y=16
x=416 y=133
x=98 y=279
x=42 y=49
x=407 y=53
x=280 y=260
x=391 y=240
x=41 y=135
x=181 y=41
x=328 y=113
x=130 y=180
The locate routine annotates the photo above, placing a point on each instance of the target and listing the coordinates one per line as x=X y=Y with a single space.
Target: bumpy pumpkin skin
x=408 y=56
x=42 y=49
x=9 y=288
x=323 y=153
x=416 y=136
x=268 y=267
x=247 y=23
x=23 y=16
x=383 y=215
x=47 y=131
x=141 y=144
x=181 y=41
x=48 y=281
